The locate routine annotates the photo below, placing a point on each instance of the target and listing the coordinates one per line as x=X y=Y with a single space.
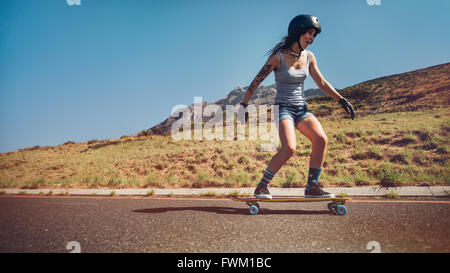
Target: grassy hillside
x=405 y=148
x=400 y=137
x=416 y=90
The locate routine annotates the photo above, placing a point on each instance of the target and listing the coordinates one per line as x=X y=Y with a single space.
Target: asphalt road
x=127 y=224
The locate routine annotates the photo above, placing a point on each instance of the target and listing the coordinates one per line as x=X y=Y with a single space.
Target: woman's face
x=307 y=38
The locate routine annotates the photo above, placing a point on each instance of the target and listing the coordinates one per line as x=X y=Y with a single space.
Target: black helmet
x=301 y=23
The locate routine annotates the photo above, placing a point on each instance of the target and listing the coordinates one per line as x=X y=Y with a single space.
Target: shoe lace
x=318 y=190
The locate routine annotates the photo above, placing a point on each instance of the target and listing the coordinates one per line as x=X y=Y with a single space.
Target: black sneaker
x=261 y=191
x=317 y=192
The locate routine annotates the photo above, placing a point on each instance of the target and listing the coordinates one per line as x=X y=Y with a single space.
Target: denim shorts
x=294 y=113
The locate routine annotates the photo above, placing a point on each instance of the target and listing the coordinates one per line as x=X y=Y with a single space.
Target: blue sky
x=109 y=68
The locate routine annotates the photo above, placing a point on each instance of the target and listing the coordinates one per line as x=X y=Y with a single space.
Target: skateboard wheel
x=341 y=209
x=332 y=206
x=254 y=209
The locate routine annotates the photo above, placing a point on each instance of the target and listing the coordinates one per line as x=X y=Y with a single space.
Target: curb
x=434 y=191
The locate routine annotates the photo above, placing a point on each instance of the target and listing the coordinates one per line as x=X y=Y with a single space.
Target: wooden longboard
x=337 y=204
x=290 y=199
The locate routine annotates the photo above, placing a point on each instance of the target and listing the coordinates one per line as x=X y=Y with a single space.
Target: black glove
x=347 y=107
x=246 y=113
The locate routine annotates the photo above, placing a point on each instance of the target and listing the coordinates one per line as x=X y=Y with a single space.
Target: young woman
x=291 y=64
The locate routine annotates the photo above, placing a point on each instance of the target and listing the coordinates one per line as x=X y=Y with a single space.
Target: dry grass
x=406 y=148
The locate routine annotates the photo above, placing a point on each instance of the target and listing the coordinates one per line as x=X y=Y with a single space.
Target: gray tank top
x=289 y=83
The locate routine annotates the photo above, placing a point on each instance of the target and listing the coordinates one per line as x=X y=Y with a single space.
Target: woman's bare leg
x=288 y=144
x=313 y=130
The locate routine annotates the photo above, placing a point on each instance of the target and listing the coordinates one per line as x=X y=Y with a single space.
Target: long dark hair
x=285 y=43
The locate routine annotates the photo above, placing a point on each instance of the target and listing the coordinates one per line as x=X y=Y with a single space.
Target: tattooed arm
x=273 y=63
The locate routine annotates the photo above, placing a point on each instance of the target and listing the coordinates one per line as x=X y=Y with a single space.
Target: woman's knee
x=288 y=150
x=321 y=140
